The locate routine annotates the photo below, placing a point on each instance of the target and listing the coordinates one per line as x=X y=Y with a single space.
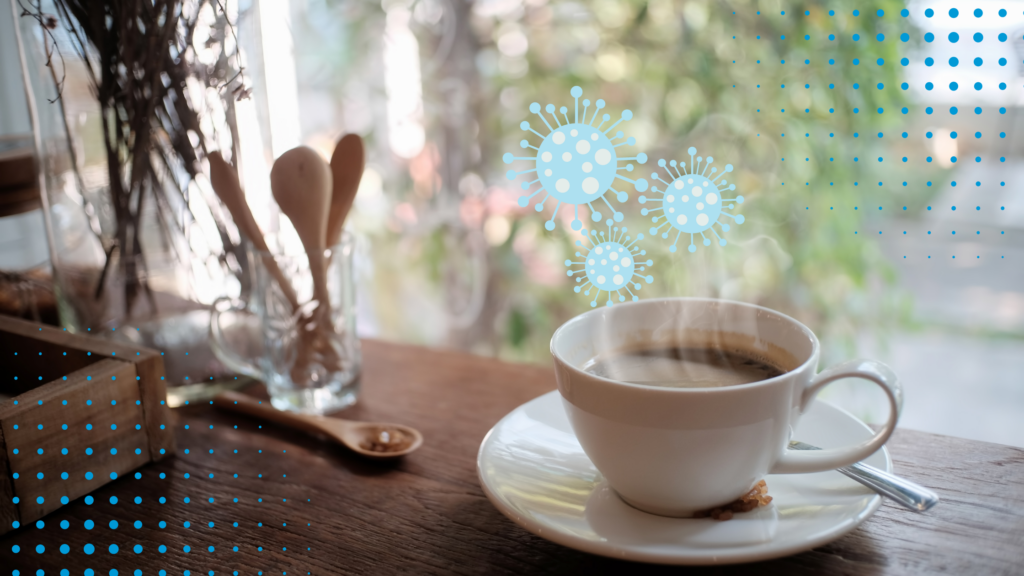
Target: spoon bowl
x=380 y=440
x=347 y=164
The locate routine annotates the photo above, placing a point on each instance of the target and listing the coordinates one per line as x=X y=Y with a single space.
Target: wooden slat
x=101 y=395
x=17 y=165
x=157 y=415
x=8 y=509
x=64 y=351
x=31 y=362
x=62 y=338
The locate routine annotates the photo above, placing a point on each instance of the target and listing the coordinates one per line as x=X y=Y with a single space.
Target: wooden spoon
x=372 y=439
x=225 y=184
x=301 y=183
x=347 y=164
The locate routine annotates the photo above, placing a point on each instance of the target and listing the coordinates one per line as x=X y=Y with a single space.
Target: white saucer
x=534 y=471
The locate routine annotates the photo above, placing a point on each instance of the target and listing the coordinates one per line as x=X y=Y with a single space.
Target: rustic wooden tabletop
x=270 y=501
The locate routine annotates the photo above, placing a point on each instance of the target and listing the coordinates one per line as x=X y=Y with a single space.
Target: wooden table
x=309 y=507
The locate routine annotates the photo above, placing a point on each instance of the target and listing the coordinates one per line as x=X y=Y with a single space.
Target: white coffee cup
x=675 y=451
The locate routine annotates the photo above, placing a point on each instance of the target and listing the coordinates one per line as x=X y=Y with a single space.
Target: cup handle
x=799 y=462
x=222 y=350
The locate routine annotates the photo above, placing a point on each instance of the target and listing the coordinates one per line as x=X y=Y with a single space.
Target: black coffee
x=685 y=367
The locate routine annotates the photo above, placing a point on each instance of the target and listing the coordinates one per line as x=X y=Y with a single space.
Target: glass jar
x=308 y=353
x=144 y=267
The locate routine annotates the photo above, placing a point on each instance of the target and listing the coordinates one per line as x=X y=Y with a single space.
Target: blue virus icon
x=577 y=162
x=692 y=200
x=609 y=264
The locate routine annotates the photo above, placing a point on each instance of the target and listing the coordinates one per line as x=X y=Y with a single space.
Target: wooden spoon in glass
x=224 y=180
x=371 y=439
x=347 y=164
x=301 y=183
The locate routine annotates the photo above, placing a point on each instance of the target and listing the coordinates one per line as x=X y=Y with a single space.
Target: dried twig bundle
x=142 y=65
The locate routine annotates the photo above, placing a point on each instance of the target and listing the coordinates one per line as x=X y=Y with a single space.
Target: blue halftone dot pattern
x=108 y=538
x=975 y=68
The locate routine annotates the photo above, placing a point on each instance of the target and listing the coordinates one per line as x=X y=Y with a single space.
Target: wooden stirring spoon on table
x=372 y=439
x=226 y=186
x=347 y=164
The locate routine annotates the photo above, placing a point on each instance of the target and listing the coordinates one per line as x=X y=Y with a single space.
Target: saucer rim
x=724 y=555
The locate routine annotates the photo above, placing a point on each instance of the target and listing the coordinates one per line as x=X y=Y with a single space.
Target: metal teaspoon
x=912 y=496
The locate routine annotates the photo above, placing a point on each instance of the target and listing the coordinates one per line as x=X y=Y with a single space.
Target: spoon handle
x=909 y=494
x=279 y=277
x=225 y=184
x=245 y=404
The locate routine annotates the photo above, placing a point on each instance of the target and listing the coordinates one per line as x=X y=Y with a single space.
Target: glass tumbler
x=310 y=358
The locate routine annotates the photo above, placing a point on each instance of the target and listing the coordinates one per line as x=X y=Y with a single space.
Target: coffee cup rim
x=812 y=359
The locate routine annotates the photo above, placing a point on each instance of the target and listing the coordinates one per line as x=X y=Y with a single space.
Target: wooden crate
x=75 y=409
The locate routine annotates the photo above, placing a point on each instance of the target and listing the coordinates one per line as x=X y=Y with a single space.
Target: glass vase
x=154 y=286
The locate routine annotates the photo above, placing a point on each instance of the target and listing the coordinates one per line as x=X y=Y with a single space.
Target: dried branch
x=48 y=23
x=139 y=58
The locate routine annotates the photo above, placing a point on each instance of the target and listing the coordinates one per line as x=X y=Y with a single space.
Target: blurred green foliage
x=748 y=85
